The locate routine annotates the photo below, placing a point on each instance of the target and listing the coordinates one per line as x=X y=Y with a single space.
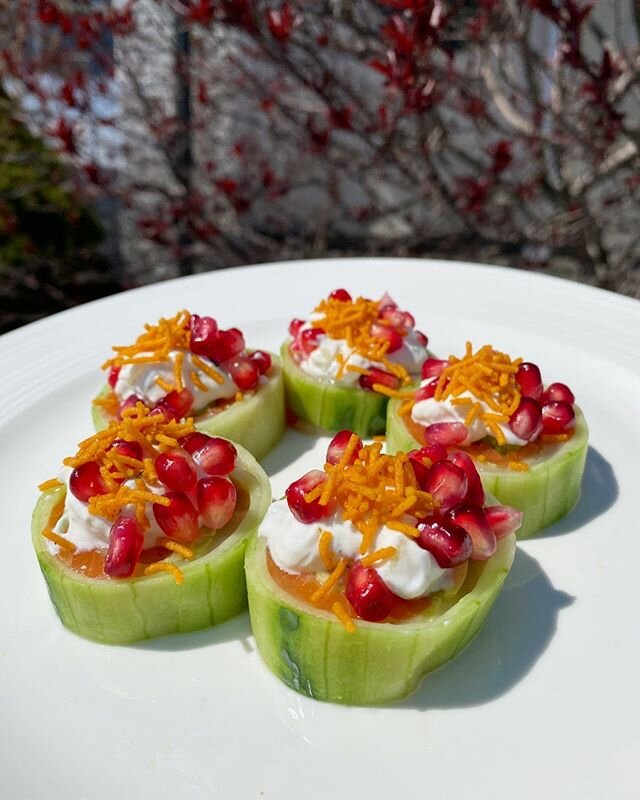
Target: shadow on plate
x=599 y=493
x=237 y=629
x=293 y=445
x=519 y=629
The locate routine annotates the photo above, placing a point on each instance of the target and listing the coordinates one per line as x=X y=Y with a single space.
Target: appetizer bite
x=187 y=366
x=374 y=571
x=145 y=533
x=343 y=364
x=528 y=443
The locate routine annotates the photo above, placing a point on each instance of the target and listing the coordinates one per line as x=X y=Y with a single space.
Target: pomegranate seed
x=294 y=326
x=129 y=449
x=473 y=520
x=125 y=545
x=113 y=376
x=378 y=376
x=262 y=360
x=176 y=471
x=216 y=456
x=368 y=594
x=175 y=405
x=245 y=373
x=387 y=334
x=400 y=320
x=529 y=380
x=303 y=511
x=217 y=499
x=178 y=520
x=503 y=520
x=423 y=458
x=387 y=300
x=422 y=340
x=525 y=421
x=193 y=441
x=204 y=334
x=558 y=393
x=131 y=402
x=427 y=391
x=433 y=367
x=340 y=294
x=228 y=344
x=446 y=433
x=86 y=481
x=338 y=445
x=557 y=417
x=151 y=554
x=309 y=340
x=447 y=483
x=447 y=542
x=475 y=492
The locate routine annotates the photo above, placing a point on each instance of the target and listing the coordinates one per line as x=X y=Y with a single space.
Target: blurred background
x=147 y=139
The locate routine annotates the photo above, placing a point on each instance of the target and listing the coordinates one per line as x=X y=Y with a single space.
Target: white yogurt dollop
x=411 y=572
x=427 y=412
x=140 y=379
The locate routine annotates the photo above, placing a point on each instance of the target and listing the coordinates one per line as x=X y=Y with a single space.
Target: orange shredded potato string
x=176 y=547
x=333 y=578
x=518 y=466
x=326 y=551
x=382 y=554
x=163 y=566
x=343 y=615
x=52 y=536
x=52 y=483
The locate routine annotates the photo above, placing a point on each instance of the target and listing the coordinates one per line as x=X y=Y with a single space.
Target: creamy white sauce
x=412 y=572
x=427 y=412
x=140 y=379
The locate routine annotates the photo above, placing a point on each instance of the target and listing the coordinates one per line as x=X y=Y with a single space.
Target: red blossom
x=340 y=117
x=472 y=194
x=227 y=186
x=502 y=156
x=282 y=22
x=203 y=92
x=65 y=132
x=201 y=12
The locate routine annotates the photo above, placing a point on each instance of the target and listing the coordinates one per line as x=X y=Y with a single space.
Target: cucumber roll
x=341 y=366
x=374 y=571
x=528 y=443
x=186 y=366
x=145 y=534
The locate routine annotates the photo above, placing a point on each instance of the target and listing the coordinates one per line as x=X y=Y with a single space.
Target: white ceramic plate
x=544 y=703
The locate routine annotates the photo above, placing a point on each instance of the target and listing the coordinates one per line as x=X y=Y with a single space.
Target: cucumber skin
x=311 y=652
x=546 y=492
x=257 y=423
x=331 y=407
x=122 y=611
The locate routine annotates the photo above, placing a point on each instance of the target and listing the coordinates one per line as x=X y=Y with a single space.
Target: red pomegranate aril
x=432 y=453
x=300 y=508
x=558 y=393
x=131 y=402
x=178 y=520
x=125 y=545
x=558 y=417
x=86 y=481
x=309 y=340
x=368 y=594
x=503 y=519
x=176 y=471
x=529 y=380
x=447 y=483
x=475 y=492
x=474 y=522
x=294 y=326
x=217 y=498
x=176 y=405
x=151 y=554
x=193 y=441
x=262 y=360
x=378 y=376
x=427 y=391
x=402 y=321
x=340 y=294
x=421 y=338
x=387 y=334
x=525 y=421
x=204 y=335
x=433 y=367
x=227 y=345
x=446 y=433
x=215 y=456
x=113 y=376
x=338 y=445
x=245 y=373
x=447 y=542
x=129 y=449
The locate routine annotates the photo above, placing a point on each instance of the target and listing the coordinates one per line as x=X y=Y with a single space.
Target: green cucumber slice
x=332 y=407
x=257 y=422
x=310 y=650
x=546 y=492
x=121 y=611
